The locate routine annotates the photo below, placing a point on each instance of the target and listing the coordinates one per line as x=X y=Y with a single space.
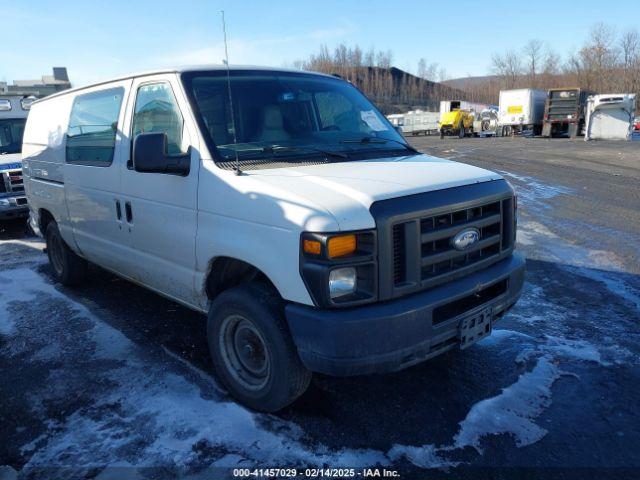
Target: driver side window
x=156 y=110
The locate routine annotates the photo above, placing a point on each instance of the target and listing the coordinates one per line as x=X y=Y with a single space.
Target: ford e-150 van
x=283 y=205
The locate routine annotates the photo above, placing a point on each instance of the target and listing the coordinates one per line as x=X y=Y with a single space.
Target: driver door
x=160 y=208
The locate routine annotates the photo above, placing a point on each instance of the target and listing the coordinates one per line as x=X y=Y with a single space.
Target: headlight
x=4 y=202
x=339 y=269
x=342 y=281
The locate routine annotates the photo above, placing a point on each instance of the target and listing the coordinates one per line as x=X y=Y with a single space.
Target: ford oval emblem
x=465 y=239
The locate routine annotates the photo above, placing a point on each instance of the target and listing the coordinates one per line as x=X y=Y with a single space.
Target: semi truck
x=564 y=112
x=521 y=110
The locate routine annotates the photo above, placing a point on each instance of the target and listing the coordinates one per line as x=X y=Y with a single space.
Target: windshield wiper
x=367 y=140
x=291 y=148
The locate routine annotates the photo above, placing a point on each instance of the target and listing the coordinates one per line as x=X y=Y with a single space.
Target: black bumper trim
x=393 y=335
x=14 y=211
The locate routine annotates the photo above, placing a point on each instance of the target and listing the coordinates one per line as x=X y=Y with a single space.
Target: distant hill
x=395 y=91
x=470 y=82
x=405 y=91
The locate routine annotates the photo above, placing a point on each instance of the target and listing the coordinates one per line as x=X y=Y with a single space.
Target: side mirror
x=150 y=155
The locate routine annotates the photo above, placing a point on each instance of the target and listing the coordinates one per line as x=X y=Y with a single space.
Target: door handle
x=118 y=211
x=128 y=213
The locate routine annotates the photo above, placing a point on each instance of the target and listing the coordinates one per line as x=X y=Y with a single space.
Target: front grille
x=417 y=253
x=437 y=253
x=399 y=254
x=11 y=182
x=437 y=257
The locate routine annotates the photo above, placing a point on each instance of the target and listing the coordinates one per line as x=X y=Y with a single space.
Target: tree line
x=607 y=62
x=372 y=72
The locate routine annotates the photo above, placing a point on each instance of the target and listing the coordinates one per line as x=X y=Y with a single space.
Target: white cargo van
x=14 y=109
x=311 y=234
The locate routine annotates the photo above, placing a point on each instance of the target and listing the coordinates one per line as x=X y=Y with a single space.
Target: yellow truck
x=456 y=122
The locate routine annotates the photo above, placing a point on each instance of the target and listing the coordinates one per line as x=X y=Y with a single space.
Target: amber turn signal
x=341 y=246
x=312 y=246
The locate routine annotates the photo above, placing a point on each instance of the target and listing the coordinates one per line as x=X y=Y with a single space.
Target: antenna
x=233 y=118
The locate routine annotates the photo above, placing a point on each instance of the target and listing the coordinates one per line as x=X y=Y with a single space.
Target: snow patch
x=530 y=190
x=160 y=414
x=599 y=265
x=499 y=335
x=512 y=411
x=16 y=286
x=425 y=456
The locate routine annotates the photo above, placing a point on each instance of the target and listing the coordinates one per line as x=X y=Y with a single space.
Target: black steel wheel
x=252 y=350
x=68 y=268
x=244 y=352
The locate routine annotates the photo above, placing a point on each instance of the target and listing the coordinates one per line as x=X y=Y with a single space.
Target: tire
x=68 y=268
x=252 y=350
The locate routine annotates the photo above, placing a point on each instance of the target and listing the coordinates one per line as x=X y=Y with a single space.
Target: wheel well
x=45 y=218
x=227 y=272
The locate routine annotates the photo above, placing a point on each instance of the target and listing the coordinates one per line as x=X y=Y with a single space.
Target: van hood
x=346 y=190
x=10 y=161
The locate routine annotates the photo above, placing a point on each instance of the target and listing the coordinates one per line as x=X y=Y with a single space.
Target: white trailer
x=521 y=110
x=610 y=116
x=415 y=122
x=397 y=120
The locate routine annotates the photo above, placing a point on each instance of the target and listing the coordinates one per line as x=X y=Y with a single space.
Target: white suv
x=313 y=236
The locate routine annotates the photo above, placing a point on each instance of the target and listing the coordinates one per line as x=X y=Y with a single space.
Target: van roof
x=181 y=69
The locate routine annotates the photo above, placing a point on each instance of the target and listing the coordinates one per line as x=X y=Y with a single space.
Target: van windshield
x=11 y=131
x=282 y=117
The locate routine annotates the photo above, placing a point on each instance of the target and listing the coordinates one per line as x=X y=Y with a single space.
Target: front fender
x=275 y=251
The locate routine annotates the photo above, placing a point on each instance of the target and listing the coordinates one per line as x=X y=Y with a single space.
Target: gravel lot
x=112 y=375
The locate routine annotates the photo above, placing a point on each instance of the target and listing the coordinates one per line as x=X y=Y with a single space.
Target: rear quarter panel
x=43 y=156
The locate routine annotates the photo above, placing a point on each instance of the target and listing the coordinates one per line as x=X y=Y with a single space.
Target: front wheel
x=252 y=350
x=68 y=268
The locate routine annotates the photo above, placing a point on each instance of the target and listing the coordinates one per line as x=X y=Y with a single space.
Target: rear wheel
x=252 y=349
x=68 y=268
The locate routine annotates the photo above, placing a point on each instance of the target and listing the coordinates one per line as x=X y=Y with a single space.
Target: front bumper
x=17 y=208
x=393 y=335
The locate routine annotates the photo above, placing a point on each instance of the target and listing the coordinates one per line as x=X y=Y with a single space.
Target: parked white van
x=313 y=236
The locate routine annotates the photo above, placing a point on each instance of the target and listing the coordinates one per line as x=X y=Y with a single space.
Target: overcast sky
x=101 y=39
